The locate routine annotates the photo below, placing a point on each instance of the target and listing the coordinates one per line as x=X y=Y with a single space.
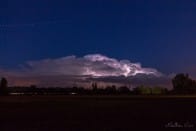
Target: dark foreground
x=100 y=113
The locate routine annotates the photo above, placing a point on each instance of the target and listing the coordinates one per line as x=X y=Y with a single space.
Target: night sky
x=158 y=34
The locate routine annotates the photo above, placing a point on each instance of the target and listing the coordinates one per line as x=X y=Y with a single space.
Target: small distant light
x=73 y=93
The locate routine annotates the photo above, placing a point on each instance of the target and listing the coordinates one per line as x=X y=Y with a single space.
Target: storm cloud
x=94 y=67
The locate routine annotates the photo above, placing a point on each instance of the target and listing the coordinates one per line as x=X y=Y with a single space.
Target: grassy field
x=101 y=113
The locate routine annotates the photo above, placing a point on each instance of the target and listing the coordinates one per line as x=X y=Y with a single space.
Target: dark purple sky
x=157 y=33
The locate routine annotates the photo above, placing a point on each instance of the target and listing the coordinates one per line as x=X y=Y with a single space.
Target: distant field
x=101 y=113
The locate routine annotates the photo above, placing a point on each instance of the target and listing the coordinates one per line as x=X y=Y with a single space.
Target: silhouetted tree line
x=182 y=84
x=146 y=90
x=33 y=90
x=94 y=90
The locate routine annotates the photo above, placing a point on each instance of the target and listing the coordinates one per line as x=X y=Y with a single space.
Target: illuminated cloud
x=95 y=65
x=70 y=70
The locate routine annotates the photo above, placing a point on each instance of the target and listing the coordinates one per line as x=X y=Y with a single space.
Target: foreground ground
x=101 y=113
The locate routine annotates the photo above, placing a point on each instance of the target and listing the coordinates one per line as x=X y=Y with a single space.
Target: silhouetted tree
x=110 y=89
x=3 y=86
x=182 y=84
x=124 y=90
x=136 y=91
x=94 y=86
